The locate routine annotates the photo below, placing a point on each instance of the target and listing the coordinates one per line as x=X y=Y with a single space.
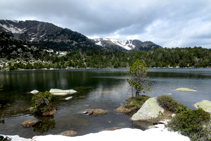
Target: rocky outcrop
x=149 y=110
x=205 y=105
x=60 y=92
x=50 y=113
x=29 y=123
x=96 y=112
x=185 y=90
x=68 y=133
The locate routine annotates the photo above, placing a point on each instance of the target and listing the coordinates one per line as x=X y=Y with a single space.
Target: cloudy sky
x=169 y=23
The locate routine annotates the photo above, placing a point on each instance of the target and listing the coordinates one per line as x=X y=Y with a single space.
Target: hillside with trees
x=177 y=57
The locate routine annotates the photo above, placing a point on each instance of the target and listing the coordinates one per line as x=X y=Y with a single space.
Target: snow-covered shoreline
x=124 y=134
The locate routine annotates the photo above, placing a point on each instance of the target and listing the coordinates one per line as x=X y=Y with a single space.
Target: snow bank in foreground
x=125 y=134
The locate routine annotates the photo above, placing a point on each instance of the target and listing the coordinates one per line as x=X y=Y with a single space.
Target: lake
x=97 y=88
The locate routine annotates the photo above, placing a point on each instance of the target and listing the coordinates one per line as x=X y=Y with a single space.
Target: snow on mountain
x=47 y=35
x=126 y=44
x=13 y=29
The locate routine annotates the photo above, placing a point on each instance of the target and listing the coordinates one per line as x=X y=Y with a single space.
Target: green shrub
x=136 y=102
x=42 y=102
x=191 y=123
x=168 y=103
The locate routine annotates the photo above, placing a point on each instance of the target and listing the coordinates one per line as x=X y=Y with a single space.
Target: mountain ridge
x=49 y=36
x=46 y=35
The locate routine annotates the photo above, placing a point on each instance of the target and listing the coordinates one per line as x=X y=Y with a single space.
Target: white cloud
x=167 y=23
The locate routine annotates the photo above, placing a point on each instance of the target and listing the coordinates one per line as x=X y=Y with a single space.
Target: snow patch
x=125 y=134
x=126 y=44
x=13 y=29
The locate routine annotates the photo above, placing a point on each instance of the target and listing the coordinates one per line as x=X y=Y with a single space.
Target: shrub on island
x=168 y=103
x=136 y=102
x=43 y=104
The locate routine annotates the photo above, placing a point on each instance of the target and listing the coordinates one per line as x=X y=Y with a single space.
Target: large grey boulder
x=149 y=110
x=205 y=105
x=60 y=92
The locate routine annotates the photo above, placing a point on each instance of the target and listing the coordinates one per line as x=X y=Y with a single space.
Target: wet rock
x=68 y=133
x=34 y=92
x=142 y=124
x=149 y=110
x=4 y=138
x=96 y=112
x=111 y=129
x=29 y=123
x=30 y=109
x=50 y=113
x=122 y=109
x=205 y=105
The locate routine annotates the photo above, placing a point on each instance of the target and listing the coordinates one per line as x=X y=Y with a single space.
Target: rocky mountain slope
x=125 y=45
x=45 y=35
x=49 y=36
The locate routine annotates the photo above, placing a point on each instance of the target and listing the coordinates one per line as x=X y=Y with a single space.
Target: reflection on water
x=45 y=124
x=97 y=88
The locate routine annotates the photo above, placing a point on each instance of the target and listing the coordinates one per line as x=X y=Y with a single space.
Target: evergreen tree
x=138 y=74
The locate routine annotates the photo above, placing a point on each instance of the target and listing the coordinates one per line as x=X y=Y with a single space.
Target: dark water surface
x=97 y=88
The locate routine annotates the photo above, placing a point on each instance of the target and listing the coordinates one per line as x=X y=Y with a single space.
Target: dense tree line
x=162 y=57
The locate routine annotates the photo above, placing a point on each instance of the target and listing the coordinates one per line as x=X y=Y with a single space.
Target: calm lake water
x=97 y=88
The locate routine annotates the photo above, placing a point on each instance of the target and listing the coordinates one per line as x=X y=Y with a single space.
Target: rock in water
x=68 y=133
x=50 y=113
x=34 y=92
x=149 y=110
x=205 y=105
x=96 y=112
x=29 y=123
x=60 y=92
x=185 y=90
x=122 y=109
x=68 y=98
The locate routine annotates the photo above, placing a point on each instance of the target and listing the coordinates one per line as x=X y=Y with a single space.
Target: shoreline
x=46 y=69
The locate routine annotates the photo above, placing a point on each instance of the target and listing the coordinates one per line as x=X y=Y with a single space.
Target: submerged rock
x=34 y=92
x=149 y=110
x=185 y=90
x=122 y=109
x=29 y=123
x=68 y=98
x=96 y=112
x=60 y=92
x=68 y=133
x=205 y=105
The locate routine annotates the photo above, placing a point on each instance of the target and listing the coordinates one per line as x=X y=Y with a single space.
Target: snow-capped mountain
x=126 y=45
x=50 y=36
